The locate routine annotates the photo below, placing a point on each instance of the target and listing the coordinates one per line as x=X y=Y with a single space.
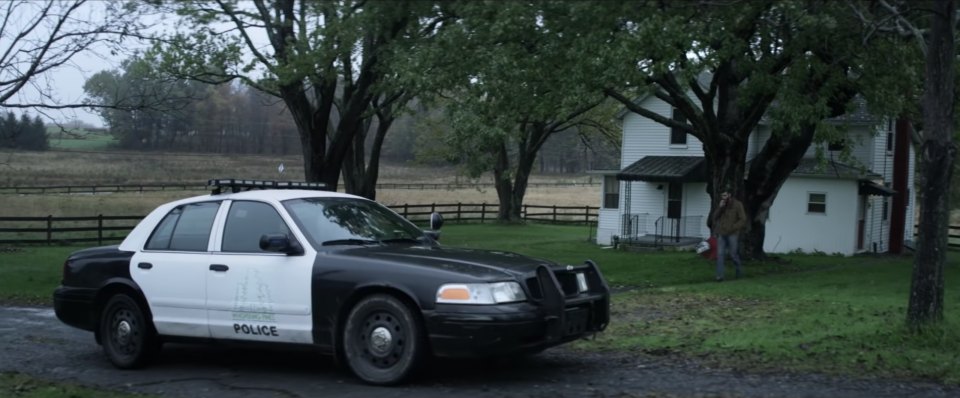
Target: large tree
x=932 y=27
x=510 y=82
x=327 y=61
x=40 y=37
x=725 y=65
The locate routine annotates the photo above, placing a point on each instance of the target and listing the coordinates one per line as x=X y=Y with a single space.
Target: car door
x=172 y=266
x=253 y=294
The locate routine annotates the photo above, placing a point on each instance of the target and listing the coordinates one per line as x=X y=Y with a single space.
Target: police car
x=289 y=263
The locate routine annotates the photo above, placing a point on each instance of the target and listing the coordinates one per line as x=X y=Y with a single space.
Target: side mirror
x=436 y=221
x=280 y=243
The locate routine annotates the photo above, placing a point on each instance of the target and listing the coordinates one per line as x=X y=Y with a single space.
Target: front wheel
x=382 y=340
x=128 y=340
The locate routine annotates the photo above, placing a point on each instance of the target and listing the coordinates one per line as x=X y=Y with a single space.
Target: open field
x=118 y=167
x=822 y=314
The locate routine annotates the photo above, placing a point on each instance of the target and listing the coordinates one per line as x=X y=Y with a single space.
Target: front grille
x=568 y=284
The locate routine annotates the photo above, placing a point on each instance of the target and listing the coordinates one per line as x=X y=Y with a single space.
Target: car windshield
x=349 y=221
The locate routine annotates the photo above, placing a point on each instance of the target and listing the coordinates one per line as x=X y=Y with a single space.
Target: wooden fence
x=111 y=229
x=200 y=186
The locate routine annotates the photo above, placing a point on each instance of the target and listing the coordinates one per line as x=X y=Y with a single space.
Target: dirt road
x=34 y=342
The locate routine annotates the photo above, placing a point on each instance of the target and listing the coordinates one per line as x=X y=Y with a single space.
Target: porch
x=643 y=230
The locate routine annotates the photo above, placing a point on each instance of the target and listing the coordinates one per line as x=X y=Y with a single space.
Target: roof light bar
x=219 y=185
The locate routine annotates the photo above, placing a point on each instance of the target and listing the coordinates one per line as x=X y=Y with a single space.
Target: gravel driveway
x=34 y=342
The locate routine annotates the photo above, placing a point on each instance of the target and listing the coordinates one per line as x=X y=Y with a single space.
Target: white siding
x=644 y=137
x=647 y=199
x=756 y=141
x=608 y=224
x=911 y=219
x=696 y=202
x=790 y=227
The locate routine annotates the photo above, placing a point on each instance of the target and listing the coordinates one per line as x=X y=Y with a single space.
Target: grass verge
x=836 y=315
x=16 y=385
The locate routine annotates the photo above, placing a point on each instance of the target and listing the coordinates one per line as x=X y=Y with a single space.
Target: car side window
x=185 y=228
x=247 y=222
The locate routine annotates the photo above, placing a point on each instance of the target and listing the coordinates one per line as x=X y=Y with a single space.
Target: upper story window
x=678 y=136
x=611 y=192
x=817 y=203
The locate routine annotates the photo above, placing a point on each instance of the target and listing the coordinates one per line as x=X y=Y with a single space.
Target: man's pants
x=725 y=244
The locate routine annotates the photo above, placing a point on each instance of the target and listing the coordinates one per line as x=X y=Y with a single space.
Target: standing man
x=728 y=219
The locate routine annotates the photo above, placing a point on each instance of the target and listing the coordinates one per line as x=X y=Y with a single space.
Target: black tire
x=383 y=341
x=129 y=341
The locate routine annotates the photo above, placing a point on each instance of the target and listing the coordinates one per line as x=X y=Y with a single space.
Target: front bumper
x=75 y=306
x=551 y=319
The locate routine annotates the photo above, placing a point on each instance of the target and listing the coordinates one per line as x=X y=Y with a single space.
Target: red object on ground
x=712 y=253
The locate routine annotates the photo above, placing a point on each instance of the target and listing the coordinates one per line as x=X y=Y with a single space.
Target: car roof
x=268 y=195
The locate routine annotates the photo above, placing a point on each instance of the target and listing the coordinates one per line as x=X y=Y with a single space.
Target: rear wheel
x=382 y=340
x=128 y=340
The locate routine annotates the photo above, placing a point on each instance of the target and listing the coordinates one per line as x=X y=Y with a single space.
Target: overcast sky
x=65 y=83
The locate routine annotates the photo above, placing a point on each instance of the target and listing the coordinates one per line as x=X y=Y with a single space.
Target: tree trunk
x=359 y=177
x=768 y=171
x=508 y=211
x=936 y=167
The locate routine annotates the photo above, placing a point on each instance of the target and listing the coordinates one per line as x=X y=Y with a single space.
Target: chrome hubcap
x=380 y=340
x=123 y=332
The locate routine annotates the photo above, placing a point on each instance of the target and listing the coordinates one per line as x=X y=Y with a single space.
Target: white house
x=659 y=193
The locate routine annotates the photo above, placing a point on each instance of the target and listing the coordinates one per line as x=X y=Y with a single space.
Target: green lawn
x=81 y=140
x=839 y=315
x=17 y=385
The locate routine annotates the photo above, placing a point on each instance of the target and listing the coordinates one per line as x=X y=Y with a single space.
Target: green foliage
x=23 y=133
x=151 y=110
x=29 y=275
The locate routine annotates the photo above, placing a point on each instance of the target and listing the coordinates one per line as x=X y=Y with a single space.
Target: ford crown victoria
x=321 y=269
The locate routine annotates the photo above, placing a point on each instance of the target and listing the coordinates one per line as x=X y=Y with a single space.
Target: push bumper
x=553 y=318
x=75 y=306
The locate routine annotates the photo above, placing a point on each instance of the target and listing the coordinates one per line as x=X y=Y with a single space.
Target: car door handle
x=219 y=267
x=144 y=265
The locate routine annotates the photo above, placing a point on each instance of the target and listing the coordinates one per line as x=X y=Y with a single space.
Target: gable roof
x=810 y=167
x=666 y=169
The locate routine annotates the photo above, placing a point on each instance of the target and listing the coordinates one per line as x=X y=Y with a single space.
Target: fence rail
x=101 y=228
x=201 y=186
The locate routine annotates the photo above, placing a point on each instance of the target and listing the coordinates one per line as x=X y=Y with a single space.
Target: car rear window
x=185 y=228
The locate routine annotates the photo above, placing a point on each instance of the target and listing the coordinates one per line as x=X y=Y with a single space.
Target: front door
x=674 y=210
x=253 y=294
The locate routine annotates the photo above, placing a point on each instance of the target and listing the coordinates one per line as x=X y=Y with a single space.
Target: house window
x=816 y=203
x=611 y=192
x=677 y=135
x=890 y=135
x=886 y=205
x=886 y=209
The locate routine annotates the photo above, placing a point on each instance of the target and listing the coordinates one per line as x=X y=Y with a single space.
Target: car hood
x=484 y=264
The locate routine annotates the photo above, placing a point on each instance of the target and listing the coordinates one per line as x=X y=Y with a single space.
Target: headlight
x=480 y=293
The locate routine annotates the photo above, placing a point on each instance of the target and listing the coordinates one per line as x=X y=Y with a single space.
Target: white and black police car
x=290 y=263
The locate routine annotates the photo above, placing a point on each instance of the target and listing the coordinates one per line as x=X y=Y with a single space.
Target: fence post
x=405 y=211
x=458 y=212
x=100 y=229
x=483 y=212
x=554 y=214
x=586 y=215
x=49 y=228
x=524 y=215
